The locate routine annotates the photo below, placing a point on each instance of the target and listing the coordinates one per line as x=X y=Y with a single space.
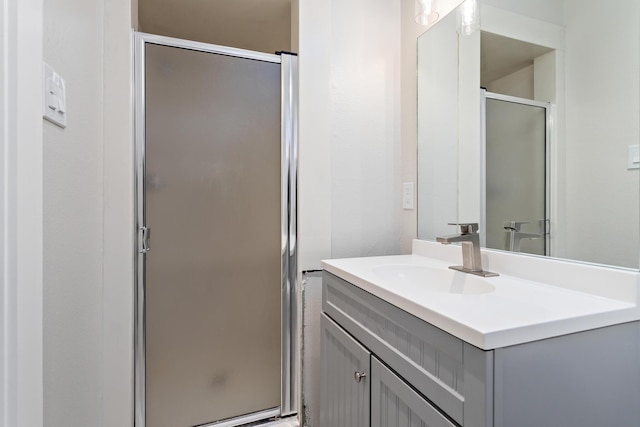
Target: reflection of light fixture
x=425 y=14
x=468 y=17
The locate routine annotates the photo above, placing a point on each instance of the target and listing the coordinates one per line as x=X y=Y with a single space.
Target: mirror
x=530 y=127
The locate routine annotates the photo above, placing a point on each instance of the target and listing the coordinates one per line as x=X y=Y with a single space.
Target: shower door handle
x=144 y=239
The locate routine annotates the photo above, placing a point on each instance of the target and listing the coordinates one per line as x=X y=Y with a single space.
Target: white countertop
x=519 y=310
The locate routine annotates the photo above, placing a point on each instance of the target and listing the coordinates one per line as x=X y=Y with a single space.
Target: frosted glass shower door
x=515 y=151
x=213 y=203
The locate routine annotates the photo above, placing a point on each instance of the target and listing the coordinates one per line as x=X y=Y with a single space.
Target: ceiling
x=261 y=25
x=501 y=56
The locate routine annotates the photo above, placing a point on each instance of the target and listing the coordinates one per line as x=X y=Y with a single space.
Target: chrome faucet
x=516 y=236
x=470 y=241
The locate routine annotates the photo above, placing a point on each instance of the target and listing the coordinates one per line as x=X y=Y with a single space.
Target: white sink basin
x=431 y=279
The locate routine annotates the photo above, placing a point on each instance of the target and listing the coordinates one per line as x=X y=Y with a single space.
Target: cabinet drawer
x=395 y=404
x=431 y=360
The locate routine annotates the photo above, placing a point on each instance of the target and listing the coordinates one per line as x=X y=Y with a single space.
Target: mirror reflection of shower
x=515 y=192
x=516 y=235
x=580 y=56
x=516 y=137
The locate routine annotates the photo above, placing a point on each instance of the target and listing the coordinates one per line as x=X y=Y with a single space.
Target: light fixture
x=468 y=17
x=425 y=15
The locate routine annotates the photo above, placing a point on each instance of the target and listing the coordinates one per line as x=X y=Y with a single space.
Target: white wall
x=349 y=129
x=410 y=31
x=438 y=129
x=603 y=107
x=545 y=79
x=117 y=373
x=88 y=229
x=543 y=10
x=365 y=127
x=73 y=225
x=519 y=83
x=22 y=216
x=314 y=189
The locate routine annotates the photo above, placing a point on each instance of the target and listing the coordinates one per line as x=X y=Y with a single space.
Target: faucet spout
x=516 y=236
x=470 y=242
x=453 y=238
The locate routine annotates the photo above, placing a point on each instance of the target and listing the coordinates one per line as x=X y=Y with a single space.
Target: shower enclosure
x=515 y=193
x=216 y=288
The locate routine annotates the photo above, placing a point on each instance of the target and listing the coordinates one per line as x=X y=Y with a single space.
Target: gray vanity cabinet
x=395 y=404
x=433 y=365
x=419 y=375
x=344 y=382
x=358 y=390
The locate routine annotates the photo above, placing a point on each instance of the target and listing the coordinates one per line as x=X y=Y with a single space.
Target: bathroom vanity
x=408 y=342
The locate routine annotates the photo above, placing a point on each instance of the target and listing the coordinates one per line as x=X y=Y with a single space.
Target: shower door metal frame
x=484 y=96
x=290 y=327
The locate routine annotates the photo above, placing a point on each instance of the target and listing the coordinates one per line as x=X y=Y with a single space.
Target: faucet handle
x=513 y=225
x=466 y=227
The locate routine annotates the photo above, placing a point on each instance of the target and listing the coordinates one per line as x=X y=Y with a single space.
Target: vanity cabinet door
x=395 y=404
x=440 y=366
x=345 y=378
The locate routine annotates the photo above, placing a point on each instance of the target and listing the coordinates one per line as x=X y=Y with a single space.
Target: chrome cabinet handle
x=358 y=376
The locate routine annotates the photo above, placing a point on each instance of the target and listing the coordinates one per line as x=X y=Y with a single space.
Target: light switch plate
x=634 y=157
x=407 y=195
x=54 y=108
